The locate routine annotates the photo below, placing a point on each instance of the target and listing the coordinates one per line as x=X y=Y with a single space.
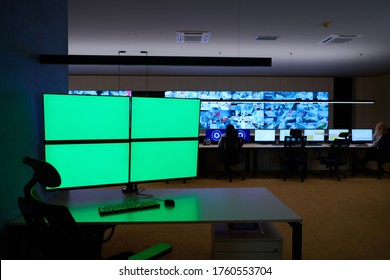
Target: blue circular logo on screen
x=242 y=134
x=216 y=135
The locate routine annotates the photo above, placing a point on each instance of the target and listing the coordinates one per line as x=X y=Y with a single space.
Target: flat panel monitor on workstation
x=83 y=117
x=283 y=133
x=265 y=136
x=333 y=133
x=314 y=135
x=153 y=117
x=245 y=134
x=214 y=135
x=89 y=164
x=163 y=160
x=86 y=139
x=159 y=153
x=361 y=135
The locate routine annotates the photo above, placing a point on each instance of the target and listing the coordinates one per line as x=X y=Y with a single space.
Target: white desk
x=200 y=205
x=252 y=150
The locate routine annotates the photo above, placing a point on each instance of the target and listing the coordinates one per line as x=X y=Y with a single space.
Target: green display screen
x=87 y=139
x=161 y=160
x=82 y=165
x=164 y=117
x=82 y=117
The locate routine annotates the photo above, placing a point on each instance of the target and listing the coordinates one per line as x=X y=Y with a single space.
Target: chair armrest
x=157 y=251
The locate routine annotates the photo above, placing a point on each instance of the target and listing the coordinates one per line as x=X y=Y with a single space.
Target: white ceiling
x=100 y=27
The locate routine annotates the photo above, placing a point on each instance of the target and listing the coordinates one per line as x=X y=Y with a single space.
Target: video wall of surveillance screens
x=260 y=110
x=101 y=92
x=249 y=95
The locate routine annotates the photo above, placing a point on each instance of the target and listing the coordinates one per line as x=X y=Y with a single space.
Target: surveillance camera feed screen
x=101 y=92
x=250 y=110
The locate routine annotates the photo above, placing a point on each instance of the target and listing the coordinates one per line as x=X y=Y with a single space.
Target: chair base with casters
x=335 y=158
x=97 y=234
x=381 y=170
x=383 y=155
x=333 y=171
x=376 y=168
x=292 y=170
x=54 y=230
x=230 y=173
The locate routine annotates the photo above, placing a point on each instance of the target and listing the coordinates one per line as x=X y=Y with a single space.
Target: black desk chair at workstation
x=230 y=153
x=53 y=228
x=294 y=155
x=383 y=154
x=336 y=156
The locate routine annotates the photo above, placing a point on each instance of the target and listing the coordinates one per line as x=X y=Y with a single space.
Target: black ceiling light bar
x=156 y=60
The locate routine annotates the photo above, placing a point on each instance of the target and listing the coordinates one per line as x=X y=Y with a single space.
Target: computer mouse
x=169 y=202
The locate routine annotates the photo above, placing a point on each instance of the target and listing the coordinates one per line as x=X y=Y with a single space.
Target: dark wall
x=342 y=113
x=27 y=28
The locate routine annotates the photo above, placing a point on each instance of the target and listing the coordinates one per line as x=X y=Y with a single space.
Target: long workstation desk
x=252 y=159
x=192 y=205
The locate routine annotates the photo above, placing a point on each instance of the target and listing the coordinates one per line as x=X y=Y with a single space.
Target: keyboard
x=314 y=144
x=128 y=206
x=360 y=145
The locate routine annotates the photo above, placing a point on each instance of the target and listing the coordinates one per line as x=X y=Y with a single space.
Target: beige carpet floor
x=342 y=220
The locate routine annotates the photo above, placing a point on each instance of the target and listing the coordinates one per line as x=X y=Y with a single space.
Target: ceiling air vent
x=266 y=38
x=192 y=36
x=338 y=39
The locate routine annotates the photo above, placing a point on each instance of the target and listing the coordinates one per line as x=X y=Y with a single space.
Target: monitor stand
x=130 y=188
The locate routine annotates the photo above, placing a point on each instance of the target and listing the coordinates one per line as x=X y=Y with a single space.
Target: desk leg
x=254 y=162
x=296 y=240
x=353 y=162
x=202 y=168
x=247 y=161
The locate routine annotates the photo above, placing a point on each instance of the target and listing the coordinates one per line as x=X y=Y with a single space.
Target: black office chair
x=296 y=132
x=344 y=135
x=337 y=155
x=54 y=229
x=383 y=154
x=294 y=156
x=230 y=153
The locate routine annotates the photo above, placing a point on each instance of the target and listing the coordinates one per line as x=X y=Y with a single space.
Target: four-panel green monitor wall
x=106 y=140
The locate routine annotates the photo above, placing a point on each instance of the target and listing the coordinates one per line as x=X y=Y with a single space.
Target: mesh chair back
x=230 y=150
x=55 y=231
x=294 y=148
x=338 y=151
x=384 y=148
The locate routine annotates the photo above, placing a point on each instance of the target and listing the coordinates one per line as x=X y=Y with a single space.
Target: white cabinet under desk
x=247 y=241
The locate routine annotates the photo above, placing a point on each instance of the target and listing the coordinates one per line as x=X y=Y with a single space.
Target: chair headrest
x=344 y=134
x=44 y=172
x=296 y=132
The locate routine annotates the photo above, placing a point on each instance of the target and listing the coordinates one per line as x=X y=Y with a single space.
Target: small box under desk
x=247 y=241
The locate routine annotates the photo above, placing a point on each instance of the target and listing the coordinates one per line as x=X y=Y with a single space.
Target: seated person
x=230 y=155
x=371 y=153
